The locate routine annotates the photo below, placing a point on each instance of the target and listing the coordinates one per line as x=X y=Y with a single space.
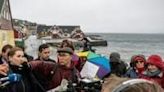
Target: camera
x=85 y=85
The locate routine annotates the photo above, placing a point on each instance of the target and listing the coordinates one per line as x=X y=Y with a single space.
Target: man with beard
x=44 y=53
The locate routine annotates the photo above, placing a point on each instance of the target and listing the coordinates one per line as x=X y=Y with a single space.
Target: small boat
x=97 y=40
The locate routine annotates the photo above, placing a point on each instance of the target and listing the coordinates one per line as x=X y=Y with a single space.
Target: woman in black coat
x=27 y=83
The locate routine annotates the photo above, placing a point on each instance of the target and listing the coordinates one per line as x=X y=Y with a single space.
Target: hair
x=22 y=47
x=143 y=87
x=5 y=47
x=13 y=50
x=115 y=54
x=117 y=84
x=111 y=82
x=42 y=47
x=133 y=59
x=68 y=44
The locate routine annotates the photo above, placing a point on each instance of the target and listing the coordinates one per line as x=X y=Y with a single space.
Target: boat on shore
x=93 y=41
x=97 y=40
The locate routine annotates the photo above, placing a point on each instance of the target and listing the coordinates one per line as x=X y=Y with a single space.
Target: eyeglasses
x=139 y=61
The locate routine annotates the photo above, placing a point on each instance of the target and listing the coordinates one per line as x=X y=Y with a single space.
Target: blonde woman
x=18 y=65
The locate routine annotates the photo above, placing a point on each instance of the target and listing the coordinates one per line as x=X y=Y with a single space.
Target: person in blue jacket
x=137 y=66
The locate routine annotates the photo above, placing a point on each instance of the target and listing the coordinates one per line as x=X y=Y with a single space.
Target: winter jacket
x=54 y=72
x=28 y=83
x=157 y=78
x=50 y=60
x=118 y=67
x=40 y=77
x=131 y=73
x=78 y=62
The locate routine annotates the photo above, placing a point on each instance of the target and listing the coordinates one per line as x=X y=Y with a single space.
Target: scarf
x=140 y=70
x=153 y=74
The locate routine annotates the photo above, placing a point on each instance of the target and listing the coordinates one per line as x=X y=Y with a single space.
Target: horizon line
x=124 y=33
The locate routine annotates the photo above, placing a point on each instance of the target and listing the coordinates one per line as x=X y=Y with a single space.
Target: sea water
x=125 y=44
x=131 y=44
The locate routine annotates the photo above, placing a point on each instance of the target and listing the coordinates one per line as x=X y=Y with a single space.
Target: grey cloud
x=143 y=16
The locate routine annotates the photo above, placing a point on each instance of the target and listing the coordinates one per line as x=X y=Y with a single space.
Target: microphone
x=12 y=78
x=4 y=84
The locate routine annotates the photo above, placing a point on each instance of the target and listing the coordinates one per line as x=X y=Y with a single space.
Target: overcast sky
x=118 y=16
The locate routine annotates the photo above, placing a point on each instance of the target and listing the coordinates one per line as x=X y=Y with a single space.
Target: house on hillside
x=26 y=27
x=43 y=30
x=73 y=32
x=56 y=33
x=6 y=28
x=18 y=29
x=32 y=28
x=67 y=30
x=77 y=34
x=59 y=32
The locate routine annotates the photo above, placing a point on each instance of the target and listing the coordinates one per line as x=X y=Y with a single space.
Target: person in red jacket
x=56 y=72
x=155 y=70
x=137 y=66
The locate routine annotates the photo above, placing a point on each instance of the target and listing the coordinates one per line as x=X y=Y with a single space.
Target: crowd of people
x=45 y=74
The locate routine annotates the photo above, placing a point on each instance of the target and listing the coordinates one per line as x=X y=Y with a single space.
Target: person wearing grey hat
x=55 y=73
x=118 y=66
x=65 y=50
x=65 y=56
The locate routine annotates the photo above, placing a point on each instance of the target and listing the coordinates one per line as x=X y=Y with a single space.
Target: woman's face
x=152 y=68
x=17 y=58
x=140 y=64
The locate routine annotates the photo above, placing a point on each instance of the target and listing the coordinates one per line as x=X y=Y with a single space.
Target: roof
x=65 y=29
x=1 y=4
x=5 y=24
x=41 y=28
x=24 y=23
x=68 y=29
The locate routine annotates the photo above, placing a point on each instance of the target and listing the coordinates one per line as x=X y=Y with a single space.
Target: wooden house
x=6 y=28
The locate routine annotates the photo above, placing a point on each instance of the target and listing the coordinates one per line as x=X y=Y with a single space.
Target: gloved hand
x=26 y=67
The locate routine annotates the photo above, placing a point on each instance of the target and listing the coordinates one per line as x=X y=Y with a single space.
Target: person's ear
x=39 y=54
x=10 y=58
